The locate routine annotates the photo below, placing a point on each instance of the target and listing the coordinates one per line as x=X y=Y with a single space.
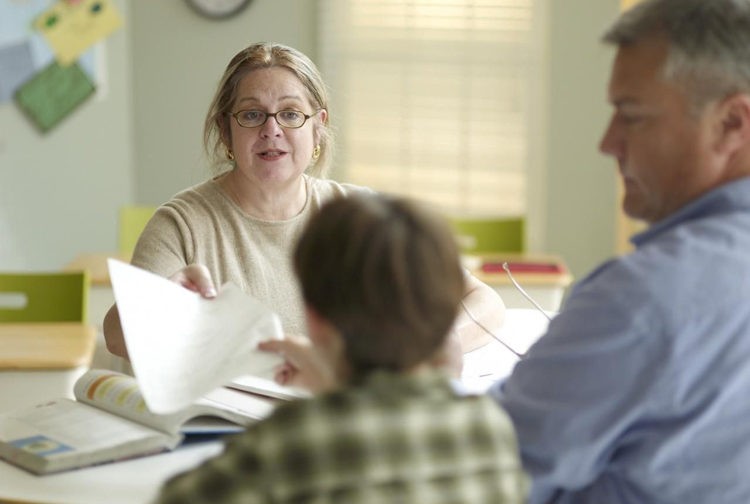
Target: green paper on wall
x=53 y=93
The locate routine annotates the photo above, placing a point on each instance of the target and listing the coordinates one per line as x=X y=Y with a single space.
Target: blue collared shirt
x=640 y=390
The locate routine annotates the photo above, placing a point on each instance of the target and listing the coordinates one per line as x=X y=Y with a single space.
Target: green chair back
x=490 y=235
x=132 y=221
x=44 y=297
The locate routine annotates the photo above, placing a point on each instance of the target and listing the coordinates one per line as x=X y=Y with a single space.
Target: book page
x=268 y=388
x=238 y=407
x=119 y=394
x=63 y=434
x=493 y=362
x=182 y=346
x=77 y=425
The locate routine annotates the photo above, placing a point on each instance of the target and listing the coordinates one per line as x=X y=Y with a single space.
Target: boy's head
x=385 y=273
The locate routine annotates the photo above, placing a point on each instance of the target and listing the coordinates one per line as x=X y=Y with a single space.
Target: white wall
x=580 y=182
x=179 y=58
x=59 y=191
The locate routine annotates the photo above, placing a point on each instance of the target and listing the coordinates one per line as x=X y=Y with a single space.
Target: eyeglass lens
x=285 y=118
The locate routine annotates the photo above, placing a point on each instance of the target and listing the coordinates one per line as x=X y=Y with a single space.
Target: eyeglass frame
x=269 y=115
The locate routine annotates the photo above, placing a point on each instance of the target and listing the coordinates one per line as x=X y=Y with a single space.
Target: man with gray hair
x=640 y=390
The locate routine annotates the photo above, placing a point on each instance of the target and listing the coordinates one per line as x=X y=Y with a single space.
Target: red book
x=522 y=267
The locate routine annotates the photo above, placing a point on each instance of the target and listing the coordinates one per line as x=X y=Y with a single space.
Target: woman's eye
x=291 y=115
x=252 y=115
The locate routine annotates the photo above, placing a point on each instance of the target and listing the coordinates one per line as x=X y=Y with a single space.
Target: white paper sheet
x=182 y=346
x=492 y=362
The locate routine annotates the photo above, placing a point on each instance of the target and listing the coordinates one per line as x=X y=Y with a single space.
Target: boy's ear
x=321 y=331
x=328 y=343
x=313 y=319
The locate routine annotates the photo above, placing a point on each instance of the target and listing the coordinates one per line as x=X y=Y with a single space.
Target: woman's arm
x=113 y=336
x=481 y=310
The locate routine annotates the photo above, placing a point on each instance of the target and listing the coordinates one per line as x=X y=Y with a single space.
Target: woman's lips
x=271 y=155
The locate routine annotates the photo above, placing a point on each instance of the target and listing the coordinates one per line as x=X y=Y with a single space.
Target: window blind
x=435 y=99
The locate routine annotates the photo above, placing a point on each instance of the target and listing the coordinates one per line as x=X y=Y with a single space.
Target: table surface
x=138 y=480
x=46 y=344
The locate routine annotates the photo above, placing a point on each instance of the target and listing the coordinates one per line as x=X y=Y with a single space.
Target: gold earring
x=230 y=156
x=316 y=153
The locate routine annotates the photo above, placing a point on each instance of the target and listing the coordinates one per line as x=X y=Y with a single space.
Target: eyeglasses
x=288 y=118
x=525 y=294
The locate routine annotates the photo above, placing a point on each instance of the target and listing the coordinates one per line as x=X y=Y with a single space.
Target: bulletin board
x=52 y=59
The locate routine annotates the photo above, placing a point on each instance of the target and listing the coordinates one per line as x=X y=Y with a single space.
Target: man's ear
x=734 y=124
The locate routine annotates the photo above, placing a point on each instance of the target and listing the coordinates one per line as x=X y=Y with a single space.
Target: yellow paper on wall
x=72 y=26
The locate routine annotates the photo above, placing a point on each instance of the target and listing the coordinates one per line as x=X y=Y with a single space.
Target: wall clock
x=218 y=9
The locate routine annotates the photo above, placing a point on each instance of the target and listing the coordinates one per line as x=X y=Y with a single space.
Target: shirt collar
x=728 y=197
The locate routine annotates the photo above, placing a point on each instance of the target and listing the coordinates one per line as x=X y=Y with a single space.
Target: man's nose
x=610 y=143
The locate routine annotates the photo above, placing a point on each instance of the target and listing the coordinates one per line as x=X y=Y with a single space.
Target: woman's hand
x=196 y=277
x=482 y=310
x=303 y=365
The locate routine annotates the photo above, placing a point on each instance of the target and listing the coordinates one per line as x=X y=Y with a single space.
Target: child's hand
x=303 y=366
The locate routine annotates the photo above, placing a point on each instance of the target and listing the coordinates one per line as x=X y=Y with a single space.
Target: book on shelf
x=109 y=421
x=183 y=350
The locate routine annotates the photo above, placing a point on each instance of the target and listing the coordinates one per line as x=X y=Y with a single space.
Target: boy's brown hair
x=386 y=273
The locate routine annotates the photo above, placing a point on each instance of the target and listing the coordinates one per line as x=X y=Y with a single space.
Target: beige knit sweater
x=203 y=225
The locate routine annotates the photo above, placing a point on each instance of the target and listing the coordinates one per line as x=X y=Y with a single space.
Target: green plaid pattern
x=396 y=439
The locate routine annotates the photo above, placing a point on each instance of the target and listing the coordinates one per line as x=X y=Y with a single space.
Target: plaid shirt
x=396 y=439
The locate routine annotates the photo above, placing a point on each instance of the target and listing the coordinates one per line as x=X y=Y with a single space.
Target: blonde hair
x=264 y=55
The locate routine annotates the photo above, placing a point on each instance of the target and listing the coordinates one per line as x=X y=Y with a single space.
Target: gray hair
x=708 y=40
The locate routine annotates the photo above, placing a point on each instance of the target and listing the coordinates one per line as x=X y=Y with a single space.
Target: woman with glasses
x=268 y=139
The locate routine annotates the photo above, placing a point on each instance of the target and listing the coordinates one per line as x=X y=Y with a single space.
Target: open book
x=183 y=349
x=267 y=388
x=109 y=421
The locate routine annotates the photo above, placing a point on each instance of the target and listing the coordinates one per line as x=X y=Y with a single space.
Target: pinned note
x=53 y=93
x=72 y=26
